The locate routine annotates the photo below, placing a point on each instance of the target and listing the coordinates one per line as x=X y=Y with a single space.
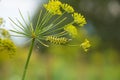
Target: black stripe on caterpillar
x=57 y=40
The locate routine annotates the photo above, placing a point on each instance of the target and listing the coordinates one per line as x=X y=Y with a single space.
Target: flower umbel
x=67 y=8
x=6 y=44
x=53 y=7
x=85 y=45
x=72 y=30
x=4 y=33
x=79 y=19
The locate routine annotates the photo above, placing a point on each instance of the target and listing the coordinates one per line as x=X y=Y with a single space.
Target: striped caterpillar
x=57 y=40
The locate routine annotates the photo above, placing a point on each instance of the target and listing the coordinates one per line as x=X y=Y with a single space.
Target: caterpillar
x=57 y=40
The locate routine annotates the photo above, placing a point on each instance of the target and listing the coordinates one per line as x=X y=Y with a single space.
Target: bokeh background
x=101 y=62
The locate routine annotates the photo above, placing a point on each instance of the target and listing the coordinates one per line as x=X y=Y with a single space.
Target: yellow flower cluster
x=85 y=45
x=1 y=21
x=79 y=19
x=67 y=8
x=7 y=46
x=71 y=29
x=4 y=33
x=53 y=7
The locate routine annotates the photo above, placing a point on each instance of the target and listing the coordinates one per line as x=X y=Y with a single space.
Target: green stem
x=28 y=59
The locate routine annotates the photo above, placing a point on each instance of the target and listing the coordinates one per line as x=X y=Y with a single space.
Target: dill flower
x=79 y=19
x=7 y=46
x=71 y=29
x=67 y=8
x=85 y=45
x=53 y=7
x=4 y=33
x=1 y=21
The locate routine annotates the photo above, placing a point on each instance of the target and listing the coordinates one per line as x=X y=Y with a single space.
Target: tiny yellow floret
x=71 y=29
x=85 y=45
x=67 y=8
x=79 y=19
x=53 y=7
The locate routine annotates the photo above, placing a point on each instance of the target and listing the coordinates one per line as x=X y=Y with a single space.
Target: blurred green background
x=101 y=62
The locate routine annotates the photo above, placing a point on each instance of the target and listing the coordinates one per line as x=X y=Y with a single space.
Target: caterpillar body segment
x=57 y=40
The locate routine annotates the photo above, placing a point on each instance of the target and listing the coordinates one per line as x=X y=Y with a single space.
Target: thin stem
x=23 y=18
x=58 y=18
x=48 y=17
x=42 y=43
x=61 y=34
x=28 y=59
x=73 y=45
x=38 y=20
x=60 y=22
x=55 y=26
x=43 y=19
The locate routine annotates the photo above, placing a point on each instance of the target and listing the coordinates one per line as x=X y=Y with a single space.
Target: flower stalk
x=28 y=58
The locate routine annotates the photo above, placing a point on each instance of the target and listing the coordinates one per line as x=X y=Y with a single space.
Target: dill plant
x=50 y=27
x=6 y=44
